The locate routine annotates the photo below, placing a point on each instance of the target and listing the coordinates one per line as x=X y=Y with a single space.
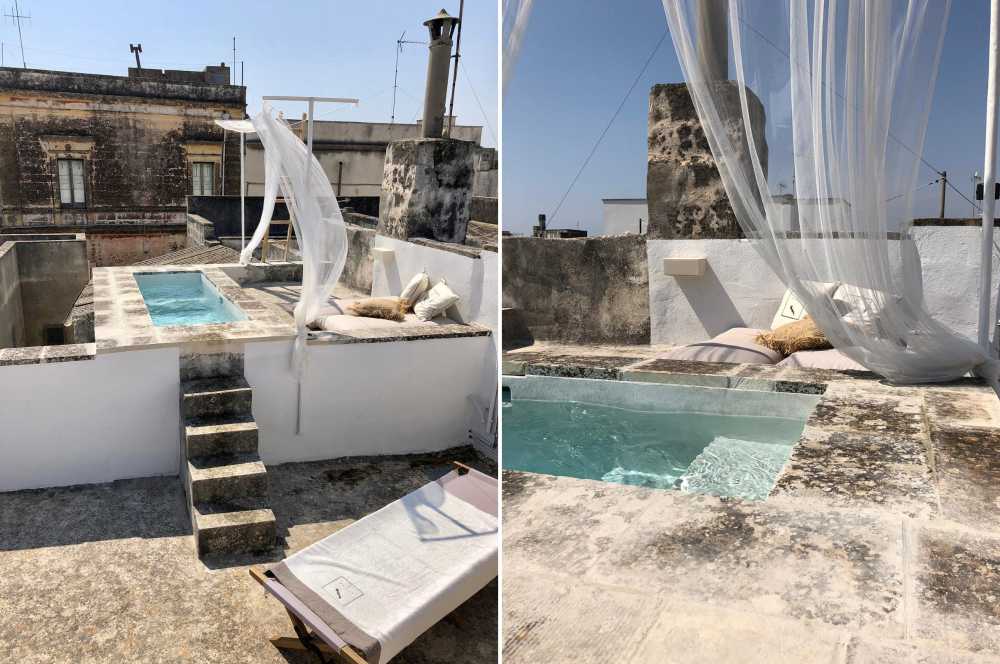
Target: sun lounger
x=367 y=591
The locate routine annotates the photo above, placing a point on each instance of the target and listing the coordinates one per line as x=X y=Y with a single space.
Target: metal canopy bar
x=334 y=100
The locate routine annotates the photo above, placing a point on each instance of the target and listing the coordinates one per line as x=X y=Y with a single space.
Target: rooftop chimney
x=441 y=29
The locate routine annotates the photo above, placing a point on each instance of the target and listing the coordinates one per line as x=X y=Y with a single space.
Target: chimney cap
x=440 y=17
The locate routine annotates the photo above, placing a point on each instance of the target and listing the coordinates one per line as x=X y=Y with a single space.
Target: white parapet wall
x=99 y=420
x=738 y=289
x=366 y=398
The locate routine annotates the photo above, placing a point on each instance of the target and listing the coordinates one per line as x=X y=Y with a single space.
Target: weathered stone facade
x=589 y=290
x=427 y=189
x=684 y=191
x=137 y=137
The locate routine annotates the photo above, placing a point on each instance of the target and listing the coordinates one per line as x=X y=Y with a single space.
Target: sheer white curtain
x=515 y=21
x=316 y=218
x=828 y=100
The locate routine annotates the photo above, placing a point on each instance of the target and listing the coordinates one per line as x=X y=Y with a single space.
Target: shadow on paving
x=146 y=508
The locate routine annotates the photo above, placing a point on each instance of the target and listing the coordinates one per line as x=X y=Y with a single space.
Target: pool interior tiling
x=880 y=542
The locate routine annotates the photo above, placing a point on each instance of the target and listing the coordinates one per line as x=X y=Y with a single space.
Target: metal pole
x=454 y=77
x=243 y=190
x=944 y=188
x=989 y=177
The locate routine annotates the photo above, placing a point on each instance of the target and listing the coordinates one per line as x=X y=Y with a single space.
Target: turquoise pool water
x=185 y=298
x=724 y=455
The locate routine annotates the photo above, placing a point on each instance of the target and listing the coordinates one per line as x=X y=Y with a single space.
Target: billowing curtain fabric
x=316 y=218
x=515 y=20
x=817 y=135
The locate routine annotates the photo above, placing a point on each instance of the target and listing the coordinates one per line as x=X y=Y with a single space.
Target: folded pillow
x=791 y=338
x=389 y=308
x=414 y=289
x=435 y=302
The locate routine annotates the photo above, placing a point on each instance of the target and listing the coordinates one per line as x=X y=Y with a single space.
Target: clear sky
x=579 y=58
x=331 y=48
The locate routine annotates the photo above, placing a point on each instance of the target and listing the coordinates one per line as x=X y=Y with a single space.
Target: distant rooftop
x=209 y=85
x=214 y=255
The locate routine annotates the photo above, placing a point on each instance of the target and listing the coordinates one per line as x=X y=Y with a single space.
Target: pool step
x=226 y=477
x=227 y=396
x=234 y=527
x=225 y=481
x=213 y=436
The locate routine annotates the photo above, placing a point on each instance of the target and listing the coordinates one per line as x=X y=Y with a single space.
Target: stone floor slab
x=838 y=569
x=957 y=589
x=967 y=461
x=864 y=470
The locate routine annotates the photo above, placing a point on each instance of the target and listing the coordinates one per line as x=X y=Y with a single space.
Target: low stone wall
x=11 y=314
x=358 y=269
x=41 y=277
x=484 y=209
x=588 y=290
x=200 y=231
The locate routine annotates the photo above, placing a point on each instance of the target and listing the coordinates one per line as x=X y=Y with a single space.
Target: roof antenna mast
x=137 y=49
x=16 y=16
x=395 y=78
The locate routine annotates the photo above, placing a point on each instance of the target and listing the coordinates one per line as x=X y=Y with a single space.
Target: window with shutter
x=71 y=181
x=202 y=178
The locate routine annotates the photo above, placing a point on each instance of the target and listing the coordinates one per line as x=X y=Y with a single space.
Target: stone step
x=211 y=437
x=230 y=396
x=221 y=528
x=226 y=478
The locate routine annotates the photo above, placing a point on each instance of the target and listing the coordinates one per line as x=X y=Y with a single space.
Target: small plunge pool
x=725 y=442
x=185 y=298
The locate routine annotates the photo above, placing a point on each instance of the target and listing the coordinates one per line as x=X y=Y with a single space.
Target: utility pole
x=137 y=49
x=232 y=72
x=944 y=189
x=454 y=78
x=16 y=17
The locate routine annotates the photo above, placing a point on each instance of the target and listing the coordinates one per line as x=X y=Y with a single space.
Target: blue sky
x=332 y=48
x=580 y=56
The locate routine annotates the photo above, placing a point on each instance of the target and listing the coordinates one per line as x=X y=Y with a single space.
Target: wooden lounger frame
x=311 y=633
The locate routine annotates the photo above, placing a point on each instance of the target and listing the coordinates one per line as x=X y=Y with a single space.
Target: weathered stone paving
x=879 y=544
x=109 y=572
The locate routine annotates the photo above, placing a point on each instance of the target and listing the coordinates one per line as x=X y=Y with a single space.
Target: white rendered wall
x=949 y=258
x=472 y=279
x=110 y=418
x=622 y=216
x=367 y=398
x=739 y=290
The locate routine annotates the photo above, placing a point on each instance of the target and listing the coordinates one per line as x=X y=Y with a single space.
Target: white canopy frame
x=291 y=167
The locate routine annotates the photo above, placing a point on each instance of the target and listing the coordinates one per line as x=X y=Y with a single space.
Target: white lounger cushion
x=821 y=359
x=736 y=346
x=400 y=570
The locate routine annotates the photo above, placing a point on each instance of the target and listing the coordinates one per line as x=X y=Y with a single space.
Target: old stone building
x=114 y=156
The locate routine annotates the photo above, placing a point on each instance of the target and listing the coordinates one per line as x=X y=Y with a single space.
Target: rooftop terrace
x=108 y=572
x=879 y=543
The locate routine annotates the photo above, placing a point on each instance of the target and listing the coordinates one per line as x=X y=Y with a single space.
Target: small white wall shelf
x=688 y=266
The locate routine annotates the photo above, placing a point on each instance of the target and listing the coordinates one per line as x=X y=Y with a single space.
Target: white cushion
x=791 y=308
x=435 y=302
x=821 y=359
x=737 y=346
x=415 y=288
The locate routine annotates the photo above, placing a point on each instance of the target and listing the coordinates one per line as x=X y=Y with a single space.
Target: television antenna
x=395 y=78
x=15 y=16
x=137 y=49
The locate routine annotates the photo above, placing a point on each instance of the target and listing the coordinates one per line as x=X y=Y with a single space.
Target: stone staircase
x=225 y=481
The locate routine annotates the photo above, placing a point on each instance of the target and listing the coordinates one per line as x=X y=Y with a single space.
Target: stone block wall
x=427 y=189
x=11 y=314
x=683 y=188
x=588 y=290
